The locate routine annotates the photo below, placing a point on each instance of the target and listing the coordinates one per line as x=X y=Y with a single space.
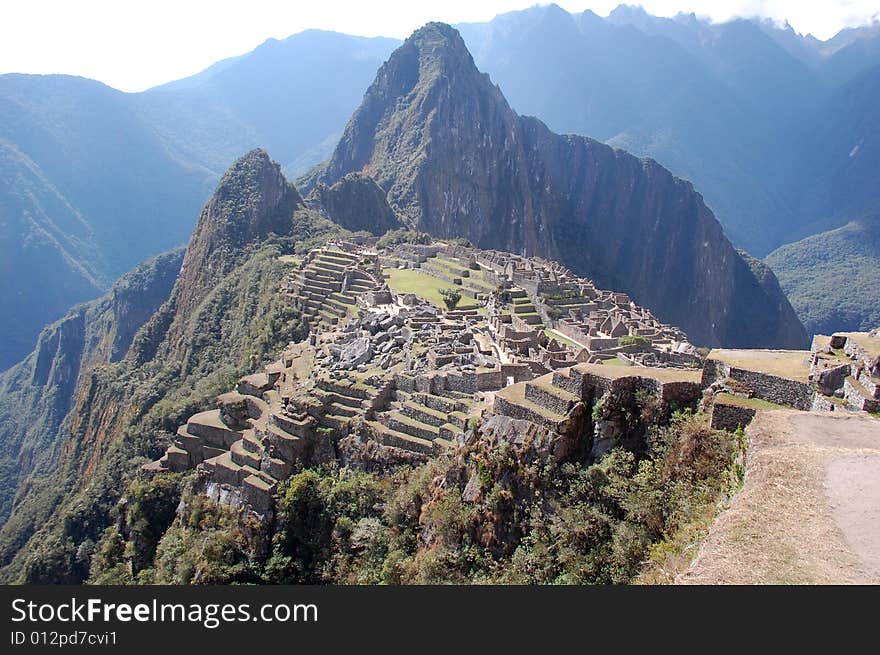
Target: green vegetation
x=239 y=325
x=450 y=298
x=615 y=361
x=634 y=340
x=533 y=520
x=404 y=235
x=408 y=280
x=833 y=279
x=751 y=403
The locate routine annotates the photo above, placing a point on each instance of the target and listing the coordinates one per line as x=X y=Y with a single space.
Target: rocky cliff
x=115 y=378
x=252 y=201
x=456 y=161
x=356 y=203
x=37 y=394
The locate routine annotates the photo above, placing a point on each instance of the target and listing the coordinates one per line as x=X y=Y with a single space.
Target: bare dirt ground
x=809 y=511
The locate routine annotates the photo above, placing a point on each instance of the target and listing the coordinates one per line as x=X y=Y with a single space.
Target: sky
x=133 y=45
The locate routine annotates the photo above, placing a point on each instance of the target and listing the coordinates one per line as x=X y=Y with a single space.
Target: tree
x=450 y=298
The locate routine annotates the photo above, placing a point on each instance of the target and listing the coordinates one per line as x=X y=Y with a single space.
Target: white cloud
x=135 y=45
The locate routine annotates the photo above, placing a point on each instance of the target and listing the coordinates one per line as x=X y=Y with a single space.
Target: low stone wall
x=781 y=391
x=519 y=372
x=730 y=417
x=541 y=396
x=463 y=383
x=823 y=404
x=681 y=394
x=830 y=380
x=771 y=388
x=490 y=380
x=507 y=408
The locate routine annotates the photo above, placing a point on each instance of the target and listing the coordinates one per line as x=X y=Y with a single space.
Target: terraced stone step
x=530 y=319
x=314 y=285
x=324 y=264
x=333 y=397
x=513 y=403
x=441 y=445
x=291 y=447
x=346 y=388
x=455 y=395
x=344 y=297
x=334 y=310
x=243 y=457
x=251 y=442
x=328 y=317
x=870 y=384
x=190 y=443
x=176 y=459
x=223 y=469
x=342 y=410
x=339 y=423
x=438 y=403
x=390 y=437
x=858 y=397
x=337 y=259
x=458 y=419
x=320 y=276
x=544 y=393
x=397 y=421
x=289 y=426
x=210 y=427
x=277 y=468
x=424 y=414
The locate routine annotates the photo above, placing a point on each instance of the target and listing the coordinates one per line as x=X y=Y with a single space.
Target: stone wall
x=730 y=417
x=490 y=380
x=771 y=388
x=519 y=372
x=774 y=389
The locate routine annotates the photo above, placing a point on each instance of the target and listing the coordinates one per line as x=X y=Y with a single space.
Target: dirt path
x=809 y=511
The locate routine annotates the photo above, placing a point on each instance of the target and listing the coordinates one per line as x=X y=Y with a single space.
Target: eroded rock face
x=358 y=352
x=252 y=200
x=357 y=203
x=456 y=161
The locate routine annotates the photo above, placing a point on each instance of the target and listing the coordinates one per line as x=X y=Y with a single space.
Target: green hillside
x=833 y=279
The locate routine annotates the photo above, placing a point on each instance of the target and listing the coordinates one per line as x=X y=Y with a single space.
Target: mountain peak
x=252 y=200
x=436 y=33
x=431 y=79
x=437 y=46
x=454 y=160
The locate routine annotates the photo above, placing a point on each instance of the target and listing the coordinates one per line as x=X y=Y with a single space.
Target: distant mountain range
x=93 y=180
x=778 y=132
x=456 y=161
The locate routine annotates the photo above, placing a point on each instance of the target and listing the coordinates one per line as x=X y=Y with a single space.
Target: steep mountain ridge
x=441 y=140
x=37 y=394
x=252 y=201
x=81 y=164
x=833 y=278
x=112 y=396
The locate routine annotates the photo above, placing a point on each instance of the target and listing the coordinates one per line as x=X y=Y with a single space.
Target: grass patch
x=751 y=403
x=407 y=280
x=563 y=339
x=615 y=361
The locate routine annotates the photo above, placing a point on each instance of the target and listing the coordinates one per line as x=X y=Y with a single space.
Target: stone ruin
x=387 y=378
x=846 y=370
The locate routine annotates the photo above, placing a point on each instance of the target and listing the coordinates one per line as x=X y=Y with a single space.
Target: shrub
x=451 y=297
x=634 y=340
